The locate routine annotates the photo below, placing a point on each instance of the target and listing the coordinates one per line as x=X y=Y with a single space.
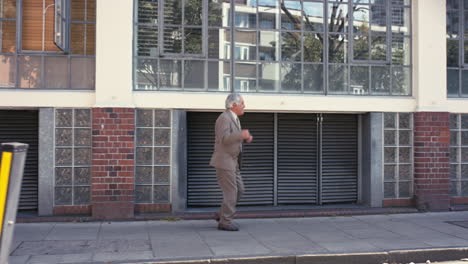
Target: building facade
x=351 y=103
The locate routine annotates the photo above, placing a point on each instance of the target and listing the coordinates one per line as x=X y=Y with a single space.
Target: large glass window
x=275 y=46
x=50 y=46
x=457 y=48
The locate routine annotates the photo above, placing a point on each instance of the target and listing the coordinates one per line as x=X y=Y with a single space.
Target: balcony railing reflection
x=47 y=71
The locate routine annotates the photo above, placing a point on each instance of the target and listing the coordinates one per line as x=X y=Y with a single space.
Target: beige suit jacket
x=228 y=140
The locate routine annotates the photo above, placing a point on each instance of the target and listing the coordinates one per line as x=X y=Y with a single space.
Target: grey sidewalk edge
x=397 y=256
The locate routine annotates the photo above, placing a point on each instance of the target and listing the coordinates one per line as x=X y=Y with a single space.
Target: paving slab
x=77 y=231
x=18 y=259
x=68 y=258
x=135 y=257
x=122 y=245
x=179 y=244
x=50 y=247
x=124 y=230
x=32 y=232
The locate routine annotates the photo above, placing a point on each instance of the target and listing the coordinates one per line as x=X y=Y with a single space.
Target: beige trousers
x=230 y=182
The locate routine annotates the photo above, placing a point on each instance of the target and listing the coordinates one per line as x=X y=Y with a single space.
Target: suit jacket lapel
x=228 y=112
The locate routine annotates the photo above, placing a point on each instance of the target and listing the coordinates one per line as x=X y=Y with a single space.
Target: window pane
x=338 y=79
x=148 y=11
x=291 y=15
x=245 y=46
x=30 y=72
x=466 y=22
x=401 y=52
x=218 y=12
x=452 y=4
x=379 y=19
x=452 y=24
x=313 y=78
x=389 y=172
x=268 y=42
x=389 y=190
x=389 y=120
x=337 y=17
x=390 y=154
x=82 y=73
x=291 y=46
x=361 y=47
x=170 y=74
x=173 y=12
x=380 y=77
x=337 y=49
x=172 y=40
x=313 y=47
x=465 y=48
x=193 y=12
x=146 y=74
x=245 y=15
x=404 y=188
x=8 y=9
x=218 y=43
x=268 y=14
x=291 y=77
x=245 y=77
x=464 y=138
x=359 y=80
x=194 y=75
x=464 y=83
x=268 y=77
x=379 y=48
x=454 y=121
x=314 y=18
x=389 y=137
x=193 y=40
x=8 y=36
x=401 y=80
x=147 y=41
x=56 y=72
x=7 y=71
x=219 y=74
x=452 y=82
x=405 y=137
x=361 y=18
x=79 y=43
x=405 y=172
x=400 y=18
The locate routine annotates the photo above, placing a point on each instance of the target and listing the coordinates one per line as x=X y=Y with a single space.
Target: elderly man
x=226 y=158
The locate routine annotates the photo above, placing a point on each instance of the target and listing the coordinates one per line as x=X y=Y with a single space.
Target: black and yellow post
x=12 y=158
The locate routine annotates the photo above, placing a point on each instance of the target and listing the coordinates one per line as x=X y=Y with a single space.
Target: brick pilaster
x=113 y=163
x=431 y=160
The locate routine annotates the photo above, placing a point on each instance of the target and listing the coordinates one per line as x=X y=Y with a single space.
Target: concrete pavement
x=396 y=238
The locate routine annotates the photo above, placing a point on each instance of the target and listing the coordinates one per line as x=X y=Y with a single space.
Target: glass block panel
x=162 y=118
x=389 y=190
x=143 y=193
x=464 y=155
x=359 y=80
x=144 y=137
x=82 y=175
x=464 y=171
x=389 y=120
x=170 y=74
x=161 y=174
x=453 y=154
x=405 y=155
x=389 y=172
x=83 y=137
x=8 y=70
x=162 y=155
x=143 y=175
x=454 y=121
x=83 y=73
x=405 y=137
x=390 y=154
x=162 y=137
x=63 y=117
x=269 y=77
x=161 y=193
x=63 y=156
x=454 y=171
x=313 y=78
x=63 y=176
x=454 y=138
x=82 y=117
x=405 y=172
x=82 y=195
x=291 y=77
x=464 y=188
x=63 y=196
x=464 y=138
x=404 y=189
x=144 y=156
x=63 y=136
x=194 y=75
x=144 y=118
x=464 y=121
x=453 y=188
x=404 y=120
x=83 y=156
x=390 y=137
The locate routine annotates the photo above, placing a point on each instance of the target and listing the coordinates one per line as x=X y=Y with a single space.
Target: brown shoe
x=217 y=217
x=229 y=227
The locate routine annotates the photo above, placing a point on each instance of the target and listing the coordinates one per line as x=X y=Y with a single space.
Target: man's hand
x=246 y=136
x=250 y=139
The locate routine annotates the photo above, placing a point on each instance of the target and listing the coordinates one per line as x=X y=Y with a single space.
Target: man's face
x=238 y=109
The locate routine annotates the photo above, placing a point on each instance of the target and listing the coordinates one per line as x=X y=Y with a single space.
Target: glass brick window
x=73 y=156
x=153 y=156
x=459 y=154
x=274 y=46
x=398 y=155
x=31 y=54
x=457 y=47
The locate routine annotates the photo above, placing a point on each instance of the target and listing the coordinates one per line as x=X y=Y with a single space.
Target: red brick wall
x=152 y=208
x=431 y=160
x=112 y=180
x=72 y=210
x=400 y=202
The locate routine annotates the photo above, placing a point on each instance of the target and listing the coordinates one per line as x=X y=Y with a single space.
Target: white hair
x=231 y=99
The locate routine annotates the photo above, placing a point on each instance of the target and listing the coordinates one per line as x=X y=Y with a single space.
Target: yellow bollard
x=5 y=167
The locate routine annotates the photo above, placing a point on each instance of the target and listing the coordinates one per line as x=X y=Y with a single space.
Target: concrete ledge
x=358 y=258
x=440 y=254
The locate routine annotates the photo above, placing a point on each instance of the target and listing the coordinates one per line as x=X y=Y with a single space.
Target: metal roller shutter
x=339 y=158
x=258 y=160
x=297 y=159
x=22 y=126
